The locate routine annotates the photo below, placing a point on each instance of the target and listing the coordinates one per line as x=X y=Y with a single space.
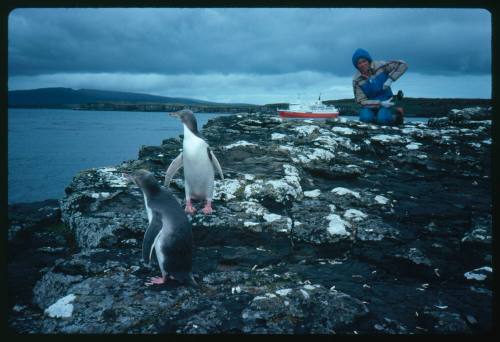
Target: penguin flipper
x=215 y=162
x=151 y=236
x=174 y=166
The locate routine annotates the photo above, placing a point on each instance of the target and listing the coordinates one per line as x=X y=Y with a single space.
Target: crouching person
x=372 y=88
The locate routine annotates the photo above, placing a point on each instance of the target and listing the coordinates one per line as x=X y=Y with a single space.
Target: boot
x=399 y=111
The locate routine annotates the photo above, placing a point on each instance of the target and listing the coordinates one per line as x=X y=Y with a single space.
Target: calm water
x=48 y=147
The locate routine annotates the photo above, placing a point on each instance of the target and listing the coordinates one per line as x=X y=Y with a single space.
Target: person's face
x=363 y=65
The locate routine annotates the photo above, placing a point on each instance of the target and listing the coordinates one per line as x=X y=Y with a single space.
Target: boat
x=316 y=109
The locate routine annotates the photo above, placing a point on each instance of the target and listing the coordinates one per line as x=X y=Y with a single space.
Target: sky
x=248 y=55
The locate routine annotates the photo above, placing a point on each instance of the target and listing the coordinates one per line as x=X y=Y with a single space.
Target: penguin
x=169 y=232
x=198 y=161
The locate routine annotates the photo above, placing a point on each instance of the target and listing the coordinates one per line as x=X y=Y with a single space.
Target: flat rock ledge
x=320 y=227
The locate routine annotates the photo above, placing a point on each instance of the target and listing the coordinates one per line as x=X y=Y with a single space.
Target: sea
x=48 y=147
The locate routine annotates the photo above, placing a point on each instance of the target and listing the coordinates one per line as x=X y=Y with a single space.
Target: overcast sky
x=260 y=55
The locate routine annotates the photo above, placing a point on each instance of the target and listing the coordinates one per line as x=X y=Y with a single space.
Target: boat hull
x=293 y=114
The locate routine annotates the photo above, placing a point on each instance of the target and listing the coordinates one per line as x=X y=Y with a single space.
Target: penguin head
x=144 y=180
x=187 y=117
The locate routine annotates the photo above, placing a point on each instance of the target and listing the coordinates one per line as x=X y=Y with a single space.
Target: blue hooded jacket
x=374 y=87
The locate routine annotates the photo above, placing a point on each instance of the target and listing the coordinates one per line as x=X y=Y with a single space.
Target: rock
x=480 y=232
x=390 y=326
x=481 y=290
x=443 y=322
x=36 y=239
x=51 y=287
x=114 y=298
x=471 y=319
x=462 y=117
x=439 y=122
x=476 y=243
x=62 y=308
x=315 y=222
x=412 y=261
x=375 y=230
x=415 y=256
x=335 y=171
x=479 y=274
x=26 y=218
x=103 y=221
x=317 y=311
x=466 y=114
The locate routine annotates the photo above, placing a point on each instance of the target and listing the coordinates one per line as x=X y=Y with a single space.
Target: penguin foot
x=189 y=209
x=207 y=210
x=155 y=281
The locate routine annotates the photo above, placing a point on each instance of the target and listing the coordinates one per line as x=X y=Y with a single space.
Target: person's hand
x=387 y=84
x=387 y=103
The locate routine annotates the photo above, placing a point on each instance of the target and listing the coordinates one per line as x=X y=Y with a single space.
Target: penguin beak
x=175 y=114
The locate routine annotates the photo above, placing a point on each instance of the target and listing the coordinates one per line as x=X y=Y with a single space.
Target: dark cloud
x=258 y=41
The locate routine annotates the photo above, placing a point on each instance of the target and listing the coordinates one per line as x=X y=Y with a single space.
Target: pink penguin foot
x=207 y=210
x=189 y=207
x=155 y=281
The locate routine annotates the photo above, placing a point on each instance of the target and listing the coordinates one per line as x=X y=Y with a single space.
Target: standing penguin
x=198 y=161
x=169 y=232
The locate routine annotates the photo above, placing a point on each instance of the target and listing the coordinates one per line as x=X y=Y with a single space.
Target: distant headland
x=92 y=99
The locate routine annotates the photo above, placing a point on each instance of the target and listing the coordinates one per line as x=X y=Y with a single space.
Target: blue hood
x=360 y=53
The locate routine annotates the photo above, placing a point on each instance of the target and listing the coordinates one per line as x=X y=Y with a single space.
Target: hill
x=67 y=97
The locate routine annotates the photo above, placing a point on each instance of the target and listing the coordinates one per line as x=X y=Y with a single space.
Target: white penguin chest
x=194 y=149
x=198 y=170
x=148 y=209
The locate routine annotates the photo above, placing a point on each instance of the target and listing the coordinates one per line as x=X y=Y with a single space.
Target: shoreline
x=29 y=182
x=418 y=107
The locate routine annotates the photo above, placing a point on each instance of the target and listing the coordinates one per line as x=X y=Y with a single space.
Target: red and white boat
x=309 y=110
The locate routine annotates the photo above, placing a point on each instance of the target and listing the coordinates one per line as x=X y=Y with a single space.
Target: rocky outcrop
x=25 y=218
x=319 y=227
